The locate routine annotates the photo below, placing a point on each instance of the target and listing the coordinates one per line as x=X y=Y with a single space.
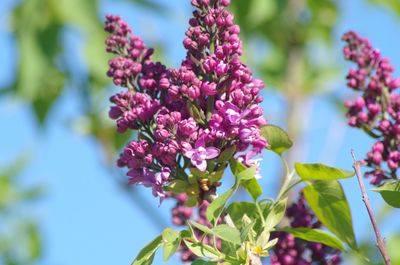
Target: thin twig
x=380 y=243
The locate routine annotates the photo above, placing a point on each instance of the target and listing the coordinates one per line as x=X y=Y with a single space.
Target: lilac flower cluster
x=293 y=251
x=377 y=109
x=181 y=214
x=184 y=117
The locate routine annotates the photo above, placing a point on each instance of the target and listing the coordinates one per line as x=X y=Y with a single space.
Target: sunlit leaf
x=277 y=138
x=390 y=192
x=215 y=209
x=314 y=235
x=247 y=178
x=201 y=250
x=321 y=172
x=329 y=203
x=227 y=233
x=276 y=214
x=146 y=255
x=171 y=240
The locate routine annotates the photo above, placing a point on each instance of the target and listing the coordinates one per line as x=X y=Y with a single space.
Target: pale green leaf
x=201 y=227
x=227 y=233
x=146 y=255
x=201 y=250
x=171 y=240
x=276 y=214
x=321 y=172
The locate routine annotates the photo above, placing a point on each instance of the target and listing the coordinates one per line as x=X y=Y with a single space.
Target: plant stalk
x=380 y=243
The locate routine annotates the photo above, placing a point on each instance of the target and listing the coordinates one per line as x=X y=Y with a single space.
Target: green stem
x=291 y=186
x=260 y=213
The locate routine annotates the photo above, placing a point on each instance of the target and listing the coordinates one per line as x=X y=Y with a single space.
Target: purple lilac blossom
x=200 y=153
x=377 y=109
x=191 y=113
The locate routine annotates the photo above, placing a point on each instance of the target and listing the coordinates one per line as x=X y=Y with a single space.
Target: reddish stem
x=380 y=243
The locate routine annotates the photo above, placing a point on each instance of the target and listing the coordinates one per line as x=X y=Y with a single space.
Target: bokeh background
x=62 y=200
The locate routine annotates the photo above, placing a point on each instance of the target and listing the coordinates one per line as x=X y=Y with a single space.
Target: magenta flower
x=377 y=109
x=199 y=155
x=223 y=98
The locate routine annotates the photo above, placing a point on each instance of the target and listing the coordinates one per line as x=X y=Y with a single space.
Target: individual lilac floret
x=201 y=153
x=248 y=160
x=148 y=178
x=377 y=109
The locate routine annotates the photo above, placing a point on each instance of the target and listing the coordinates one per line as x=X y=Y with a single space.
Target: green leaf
x=171 y=240
x=201 y=250
x=226 y=154
x=247 y=174
x=203 y=262
x=177 y=186
x=39 y=78
x=321 y=172
x=250 y=184
x=185 y=234
x=329 y=203
x=393 y=245
x=237 y=210
x=236 y=166
x=277 y=138
x=314 y=235
x=227 y=233
x=246 y=230
x=215 y=209
x=276 y=214
x=253 y=188
x=390 y=192
x=201 y=227
x=146 y=255
x=34 y=243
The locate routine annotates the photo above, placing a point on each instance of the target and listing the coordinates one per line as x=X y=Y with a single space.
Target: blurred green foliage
x=45 y=70
x=369 y=250
x=20 y=241
x=298 y=36
x=392 y=5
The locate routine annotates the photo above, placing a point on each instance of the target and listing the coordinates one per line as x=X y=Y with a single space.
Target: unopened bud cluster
x=377 y=109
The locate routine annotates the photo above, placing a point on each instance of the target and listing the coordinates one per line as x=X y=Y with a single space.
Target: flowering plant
x=377 y=110
x=191 y=123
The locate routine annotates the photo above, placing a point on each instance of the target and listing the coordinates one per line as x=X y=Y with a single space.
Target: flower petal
x=212 y=152
x=189 y=153
x=200 y=142
x=200 y=164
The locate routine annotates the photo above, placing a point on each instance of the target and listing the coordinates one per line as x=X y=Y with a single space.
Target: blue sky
x=86 y=219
